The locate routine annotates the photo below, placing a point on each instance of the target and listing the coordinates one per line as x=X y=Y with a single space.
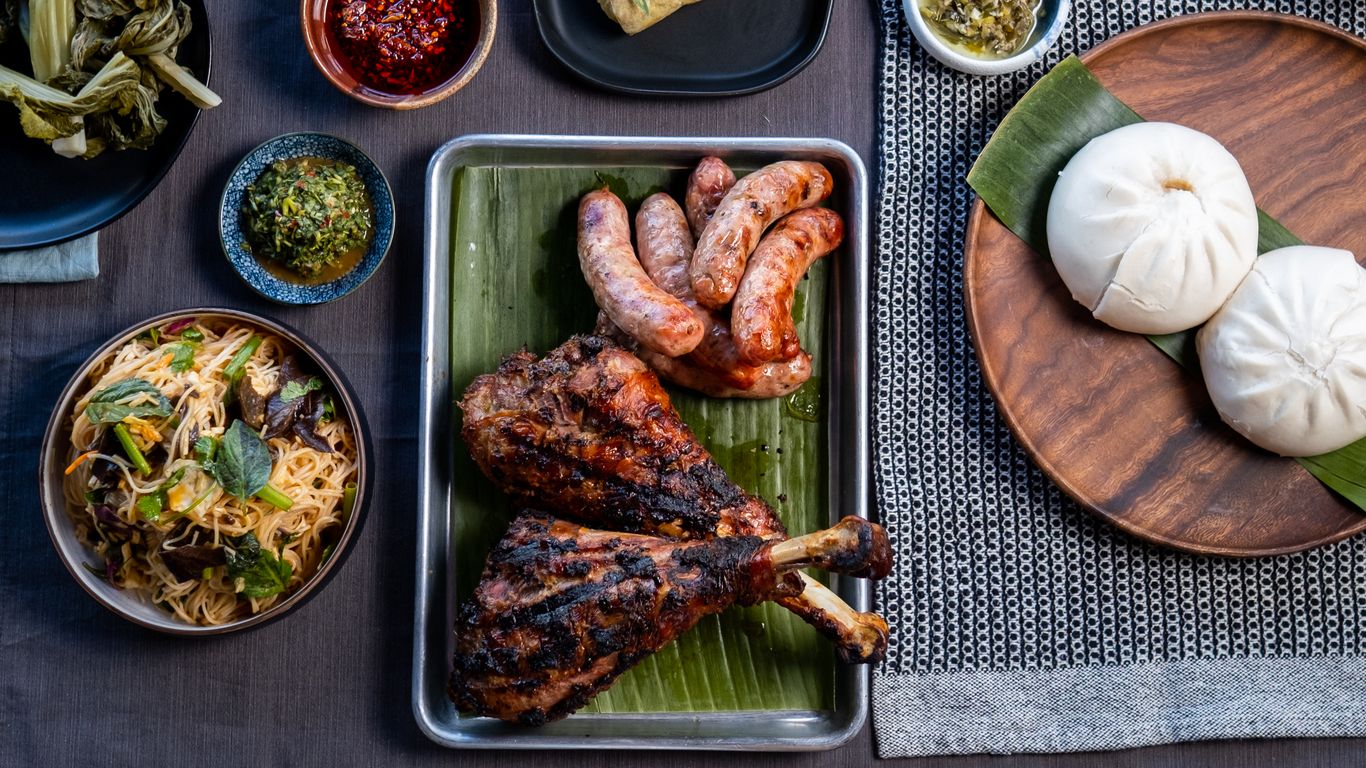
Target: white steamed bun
x=1285 y=359
x=1152 y=226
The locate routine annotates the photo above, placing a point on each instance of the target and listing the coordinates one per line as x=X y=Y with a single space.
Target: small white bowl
x=1043 y=42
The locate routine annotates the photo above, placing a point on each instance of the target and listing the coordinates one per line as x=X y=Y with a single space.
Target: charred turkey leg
x=561 y=610
x=588 y=432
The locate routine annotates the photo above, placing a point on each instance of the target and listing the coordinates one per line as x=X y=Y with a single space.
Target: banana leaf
x=1015 y=175
x=516 y=282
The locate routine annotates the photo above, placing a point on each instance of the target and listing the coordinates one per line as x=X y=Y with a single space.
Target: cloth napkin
x=1021 y=624
x=62 y=263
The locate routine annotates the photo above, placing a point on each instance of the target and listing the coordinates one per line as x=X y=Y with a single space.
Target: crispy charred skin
x=761 y=318
x=589 y=432
x=707 y=186
x=561 y=611
x=752 y=205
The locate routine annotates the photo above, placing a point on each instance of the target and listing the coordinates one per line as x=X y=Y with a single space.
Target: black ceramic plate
x=711 y=48
x=62 y=198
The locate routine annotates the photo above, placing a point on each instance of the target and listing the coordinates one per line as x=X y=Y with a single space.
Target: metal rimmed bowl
x=231 y=226
x=322 y=48
x=1044 y=37
x=76 y=555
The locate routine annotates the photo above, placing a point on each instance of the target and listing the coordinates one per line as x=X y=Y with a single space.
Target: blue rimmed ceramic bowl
x=288 y=146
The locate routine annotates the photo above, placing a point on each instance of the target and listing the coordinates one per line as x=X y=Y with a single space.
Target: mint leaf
x=182 y=356
x=111 y=404
x=293 y=390
x=270 y=577
x=262 y=573
x=242 y=554
x=204 y=449
x=242 y=465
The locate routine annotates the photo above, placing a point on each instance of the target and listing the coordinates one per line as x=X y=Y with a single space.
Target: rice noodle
x=313 y=480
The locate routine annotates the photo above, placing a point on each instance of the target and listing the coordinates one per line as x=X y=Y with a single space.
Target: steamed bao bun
x=1152 y=226
x=1285 y=359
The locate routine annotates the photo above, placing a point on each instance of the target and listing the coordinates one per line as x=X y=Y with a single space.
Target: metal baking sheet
x=846 y=426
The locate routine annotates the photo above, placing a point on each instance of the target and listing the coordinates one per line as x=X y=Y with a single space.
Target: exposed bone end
x=852 y=546
x=860 y=638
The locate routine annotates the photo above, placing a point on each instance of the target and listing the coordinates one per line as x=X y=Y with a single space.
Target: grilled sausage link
x=707 y=186
x=620 y=286
x=761 y=318
x=665 y=247
x=754 y=203
x=764 y=381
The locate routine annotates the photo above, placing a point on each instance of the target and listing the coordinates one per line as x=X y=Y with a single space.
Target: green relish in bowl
x=307 y=220
x=985 y=28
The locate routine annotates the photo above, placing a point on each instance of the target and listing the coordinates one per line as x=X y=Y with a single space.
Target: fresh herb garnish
x=262 y=573
x=182 y=356
x=293 y=390
x=204 y=449
x=241 y=465
x=111 y=404
x=329 y=410
x=192 y=334
x=152 y=505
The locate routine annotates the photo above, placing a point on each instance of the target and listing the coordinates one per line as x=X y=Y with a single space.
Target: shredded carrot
x=165 y=361
x=84 y=457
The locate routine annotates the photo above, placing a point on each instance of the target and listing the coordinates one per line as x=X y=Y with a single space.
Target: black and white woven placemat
x=1022 y=624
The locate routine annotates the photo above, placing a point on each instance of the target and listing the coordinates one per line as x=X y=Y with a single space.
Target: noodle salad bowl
x=205 y=471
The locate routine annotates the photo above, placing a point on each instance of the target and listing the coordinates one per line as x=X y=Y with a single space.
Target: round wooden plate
x=1118 y=426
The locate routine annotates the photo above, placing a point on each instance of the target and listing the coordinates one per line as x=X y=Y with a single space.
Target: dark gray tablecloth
x=330 y=684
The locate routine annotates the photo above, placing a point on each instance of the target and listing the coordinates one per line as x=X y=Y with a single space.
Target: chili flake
x=404 y=46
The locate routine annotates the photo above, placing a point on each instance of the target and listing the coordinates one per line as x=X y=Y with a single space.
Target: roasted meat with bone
x=588 y=433
x=561 y=610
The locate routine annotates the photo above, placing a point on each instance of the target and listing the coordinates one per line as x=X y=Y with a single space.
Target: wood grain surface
x=1107 y=416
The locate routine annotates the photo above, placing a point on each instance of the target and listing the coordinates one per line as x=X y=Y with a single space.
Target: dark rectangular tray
x=710 y=48
x=846 y=425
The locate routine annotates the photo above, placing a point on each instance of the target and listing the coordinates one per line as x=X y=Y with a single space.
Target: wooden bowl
x=322 y=49
x=1116 y=424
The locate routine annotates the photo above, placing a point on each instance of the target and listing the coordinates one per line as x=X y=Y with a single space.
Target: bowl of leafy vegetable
x=108 y=94
x=205 y=471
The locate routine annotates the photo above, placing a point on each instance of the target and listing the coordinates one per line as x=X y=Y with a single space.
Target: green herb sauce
x=308 y=218
x=988 y=28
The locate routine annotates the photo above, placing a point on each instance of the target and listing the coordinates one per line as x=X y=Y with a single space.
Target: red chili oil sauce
x=404 y=46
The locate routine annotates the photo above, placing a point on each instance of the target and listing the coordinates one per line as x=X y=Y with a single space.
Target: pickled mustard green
x=996 y=28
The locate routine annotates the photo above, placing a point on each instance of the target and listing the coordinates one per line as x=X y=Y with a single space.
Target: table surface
x=330 y=684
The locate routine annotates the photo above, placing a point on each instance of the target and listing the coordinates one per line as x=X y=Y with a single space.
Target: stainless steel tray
x=846 y=430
